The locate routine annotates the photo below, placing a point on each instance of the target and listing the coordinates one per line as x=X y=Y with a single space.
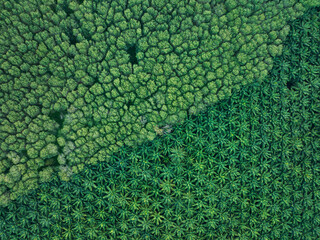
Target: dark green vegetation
x=79 y=79
x=247 y=168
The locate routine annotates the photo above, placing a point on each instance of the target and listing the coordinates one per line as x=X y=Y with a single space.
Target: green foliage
x=70 y=65
x=246 y=168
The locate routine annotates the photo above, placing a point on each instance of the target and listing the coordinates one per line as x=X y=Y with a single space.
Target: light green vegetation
x=79 y=79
